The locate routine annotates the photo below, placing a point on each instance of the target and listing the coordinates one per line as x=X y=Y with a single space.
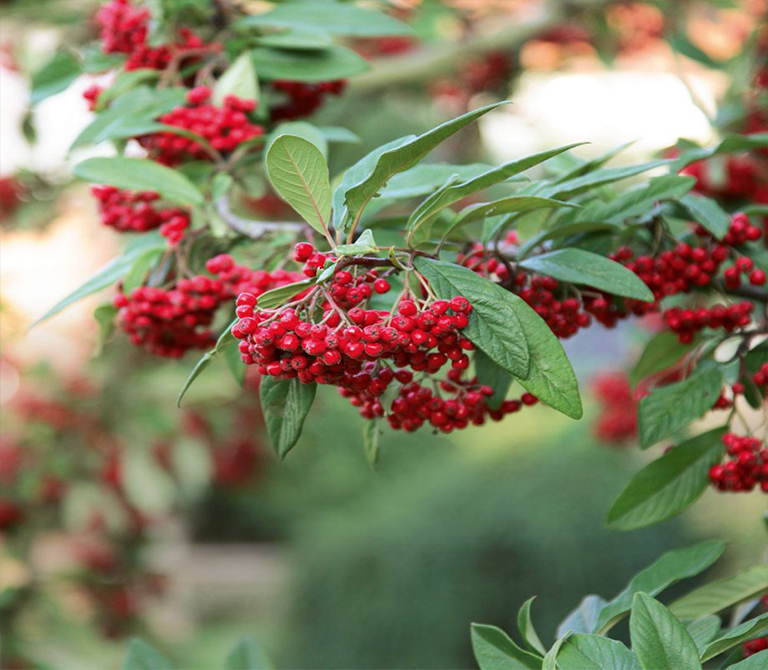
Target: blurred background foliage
x=331 y=564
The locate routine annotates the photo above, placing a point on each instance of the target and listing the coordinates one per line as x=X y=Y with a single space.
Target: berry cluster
x=685 y=323
x=302 y=99
x=124 y=28
x=170 y=322
x=135 y=213
x=617 y=422
x=222 y=128
x=747 y=467
x=740 y=180
x=743 y=266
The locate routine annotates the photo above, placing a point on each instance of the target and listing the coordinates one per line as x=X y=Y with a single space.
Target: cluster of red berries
x=617 y=422
x=746 y=468
x=743 y=266
x=223 y=128
x=685 y=323
x=124 y=28
x=302 y=99
x=739 y=233
x=170 y=322
x=466 y=401
x=135 y=213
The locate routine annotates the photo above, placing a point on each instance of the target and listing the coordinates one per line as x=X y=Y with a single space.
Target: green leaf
x=566 y=230
x=139 y=174
x=55 y=76
x=512 y=204
x=594 y=652
x=757 y=661
x=722 y=594
x=334 y=18
x=299 y=173
x=584 y=618
x=525 y=626
x=583 y=167
x=357 y=173
x=140 y=656
x=336 y=62
x=226 y=338
x=104 y=315
x=669 y=485
x=708 y=213
x=239 y=79
x=365 y=244
x=495 y=650
x=445 y=198
x=587 y=182
x=659 y=640
x=426 y=178
x=550 y=660
x=494 y=325
x=584 y=267
x=277 y=296
x=704 y=630
x=139 y=270
x=285 y=403
x=730 y=144
x=402 y=157
x=233 y=359
x=551 y=377
x=491 y=374
x=107 y=275
x=662 y=352
x=128 y=80
x=639 y=201
x=247 y=654
x=303 y=129
x=130 y=115
x=371 y=439
x=670 y=568
x=304 y=39
x=669 y=408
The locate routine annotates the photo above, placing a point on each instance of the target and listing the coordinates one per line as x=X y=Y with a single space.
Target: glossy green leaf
x=584 y=267
x=104 y=315
x=285 y=403
x=299 y=173
x=551 y=377
x=239 y=79
x=489 y=373
x=54 y=76
x=140 y=656
x=494 y=325
x=708 y=213
x=592 y=180
x=336 y=62
x=526 y=628
x=495 y=650
x=247 y=654
x=365 y=244
x=669 y=485
x=108 y=275
x=722 y=594
x=566 y=230
x=334 y=18
x=495 y=175
x=704 y=630
x=140 y=268
x=512 y=204
x=659 y=640
x=594 y=652
x=584 y=166
x=730 y=144
x=426 y=178
x=226 y=338
x=741 y=633
x=583 y=619
x=303 y=129
x=278 y=296
x=758 y=661
x=297 y=39
x=550 y=660
x=667 y=409
x=140 y=174
x=670 y=568
x=371 y=441
x=662 y=352
x=403 y=157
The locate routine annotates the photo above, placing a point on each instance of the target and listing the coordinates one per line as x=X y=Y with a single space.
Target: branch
x=250 y=227
x=749 y=292
x=446 y=58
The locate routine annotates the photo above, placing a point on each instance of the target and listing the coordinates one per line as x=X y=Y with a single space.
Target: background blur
x=181 y=525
